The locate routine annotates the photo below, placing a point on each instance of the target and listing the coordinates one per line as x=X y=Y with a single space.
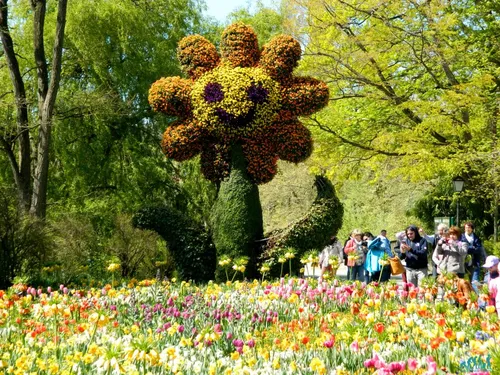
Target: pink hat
x=491 y=261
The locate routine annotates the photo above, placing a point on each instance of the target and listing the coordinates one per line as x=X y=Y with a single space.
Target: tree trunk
x=237 y=216
x=47 y=93
x=21 y=168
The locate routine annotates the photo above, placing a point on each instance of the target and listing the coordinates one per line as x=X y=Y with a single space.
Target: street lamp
x=458 y=185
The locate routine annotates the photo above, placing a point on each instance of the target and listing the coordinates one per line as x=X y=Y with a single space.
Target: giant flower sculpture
x=243 y=96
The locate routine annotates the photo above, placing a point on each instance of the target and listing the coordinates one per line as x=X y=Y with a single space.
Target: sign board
x=448 y=220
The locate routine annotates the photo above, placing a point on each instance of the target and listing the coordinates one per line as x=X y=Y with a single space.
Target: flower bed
x=289 y=327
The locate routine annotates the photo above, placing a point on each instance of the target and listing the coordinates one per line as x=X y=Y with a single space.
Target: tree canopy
x=413 y=84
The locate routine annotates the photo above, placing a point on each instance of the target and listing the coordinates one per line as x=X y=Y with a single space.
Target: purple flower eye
x=213 y=92
x=257 y=94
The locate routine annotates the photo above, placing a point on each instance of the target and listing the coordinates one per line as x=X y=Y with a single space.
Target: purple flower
x=257 y=94
x=238 y=343
x=213 y=92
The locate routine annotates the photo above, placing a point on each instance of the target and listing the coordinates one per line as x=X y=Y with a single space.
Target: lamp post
x=458 y=185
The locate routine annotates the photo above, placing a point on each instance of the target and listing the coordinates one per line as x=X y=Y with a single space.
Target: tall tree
x=32 y=192
x=115 y=49
x=105 y=140
x=411 y=84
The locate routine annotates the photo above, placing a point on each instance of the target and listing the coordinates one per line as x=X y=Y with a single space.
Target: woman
x=449 y=254
x=355 y=256
x=413 y=250
x=333 y=249
x=378 y=250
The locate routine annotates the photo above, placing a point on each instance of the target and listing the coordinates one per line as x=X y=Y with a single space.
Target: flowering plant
x=240 y=96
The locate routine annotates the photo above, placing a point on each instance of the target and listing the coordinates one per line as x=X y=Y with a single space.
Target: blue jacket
x=376 y=249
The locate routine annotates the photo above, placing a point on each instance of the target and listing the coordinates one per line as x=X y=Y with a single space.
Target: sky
x=220 y=9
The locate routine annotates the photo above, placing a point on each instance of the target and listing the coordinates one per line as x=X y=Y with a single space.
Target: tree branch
x=39 y=9
x=356 y=144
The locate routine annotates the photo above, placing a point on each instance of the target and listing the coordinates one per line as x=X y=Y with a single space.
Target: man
x=475 y=250
x=442 y=230
x=385 y=240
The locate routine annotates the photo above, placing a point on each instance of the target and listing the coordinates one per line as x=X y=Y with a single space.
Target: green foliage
x=413 y=86
x=374 y=203
x=442 y=201
x=315 y=229
x=266 y=22
x=189 y=243
x=25 y=242
x=137 y=250
x=79 y=255
x=491 y=247
x=236 y=220
x=115 y=49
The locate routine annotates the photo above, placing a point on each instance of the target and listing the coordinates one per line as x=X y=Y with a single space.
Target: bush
x=137 y=251
x=25 y=242
x=79 y=255
x=189 y=244
x=314 y=230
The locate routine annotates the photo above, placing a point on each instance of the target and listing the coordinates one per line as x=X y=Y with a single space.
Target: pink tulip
x=369 y=363
x=328 y=343
x=397 y=366
x=354 y=346
x=431 y=366
x=412 y=364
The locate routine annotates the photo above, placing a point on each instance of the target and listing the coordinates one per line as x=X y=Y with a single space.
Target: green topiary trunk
x=237 y=217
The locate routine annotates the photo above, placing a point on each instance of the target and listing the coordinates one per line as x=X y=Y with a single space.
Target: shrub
x=136 y=250
x=79 y=255
x=25 y=242
x=189 y=244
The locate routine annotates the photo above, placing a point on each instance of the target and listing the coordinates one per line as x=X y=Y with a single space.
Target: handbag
x=397 y=267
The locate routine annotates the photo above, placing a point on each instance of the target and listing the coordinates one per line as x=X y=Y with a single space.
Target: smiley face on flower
x=242 y=96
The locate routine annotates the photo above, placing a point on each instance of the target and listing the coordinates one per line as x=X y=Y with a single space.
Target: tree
x=413 y=85
x=104 y=118
x=266 y=22
x=32 y=192
x=112 y=51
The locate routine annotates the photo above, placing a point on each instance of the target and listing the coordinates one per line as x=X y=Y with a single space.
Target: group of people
x=447 y=251
x=361 y=253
